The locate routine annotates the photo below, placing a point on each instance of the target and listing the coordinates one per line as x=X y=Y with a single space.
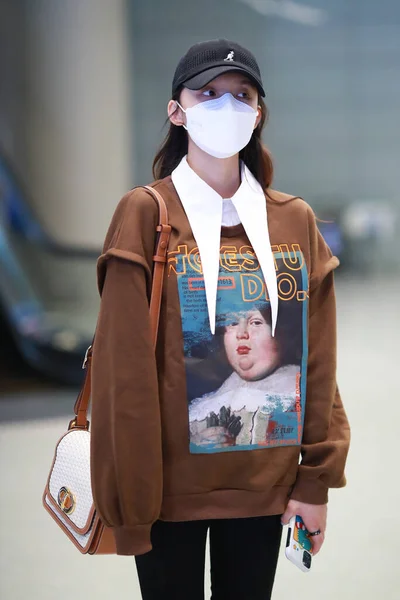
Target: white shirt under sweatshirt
x=230 y=215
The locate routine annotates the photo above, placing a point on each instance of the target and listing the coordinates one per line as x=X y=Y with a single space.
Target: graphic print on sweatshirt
x=246 y=389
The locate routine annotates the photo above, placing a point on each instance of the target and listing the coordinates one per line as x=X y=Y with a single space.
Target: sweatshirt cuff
x=310 y=491
x=132 y=540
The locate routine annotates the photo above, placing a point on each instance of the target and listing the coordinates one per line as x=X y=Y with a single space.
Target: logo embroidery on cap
x=230 y=56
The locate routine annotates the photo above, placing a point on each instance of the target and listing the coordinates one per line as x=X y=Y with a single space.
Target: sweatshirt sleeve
x=326 y=434
x=126 y=459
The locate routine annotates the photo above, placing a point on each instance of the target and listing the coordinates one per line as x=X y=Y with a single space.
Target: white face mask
x=221 y=127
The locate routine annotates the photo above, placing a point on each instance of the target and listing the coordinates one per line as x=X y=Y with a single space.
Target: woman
x=235 y=241
x=254 y=405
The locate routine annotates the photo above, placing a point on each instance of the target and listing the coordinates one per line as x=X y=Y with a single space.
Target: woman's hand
x=314 y=517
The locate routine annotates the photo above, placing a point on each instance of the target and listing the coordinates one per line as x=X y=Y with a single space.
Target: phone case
x=298 y=544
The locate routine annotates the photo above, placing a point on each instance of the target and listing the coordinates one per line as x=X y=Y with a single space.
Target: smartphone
x=298 y=545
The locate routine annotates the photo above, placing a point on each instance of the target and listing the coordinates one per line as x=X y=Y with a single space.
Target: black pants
x=244 y=555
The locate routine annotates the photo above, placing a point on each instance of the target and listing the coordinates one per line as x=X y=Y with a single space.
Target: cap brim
x=199 y=81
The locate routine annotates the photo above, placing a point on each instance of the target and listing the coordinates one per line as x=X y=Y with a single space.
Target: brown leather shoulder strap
x=159 y=261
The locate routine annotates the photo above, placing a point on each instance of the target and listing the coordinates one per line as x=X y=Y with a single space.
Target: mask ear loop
x=183 y=110
x=259 y=110
x=181 y=107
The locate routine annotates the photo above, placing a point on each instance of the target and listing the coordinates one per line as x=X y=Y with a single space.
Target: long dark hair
x=255 y=155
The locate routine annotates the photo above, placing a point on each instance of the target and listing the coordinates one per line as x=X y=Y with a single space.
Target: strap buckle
x=163 y=228
x=73 y=425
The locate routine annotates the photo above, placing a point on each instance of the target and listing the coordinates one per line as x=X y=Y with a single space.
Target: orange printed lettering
x=228 y=258
x=250 y=262
x=177 y=260
x=287 y=286
x=195 y=261
x=253 y=287
x=295 y=259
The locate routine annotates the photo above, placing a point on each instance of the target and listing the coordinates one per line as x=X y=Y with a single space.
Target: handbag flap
x=69 y=484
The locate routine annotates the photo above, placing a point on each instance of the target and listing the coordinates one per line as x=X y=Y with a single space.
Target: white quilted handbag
x=68 y=493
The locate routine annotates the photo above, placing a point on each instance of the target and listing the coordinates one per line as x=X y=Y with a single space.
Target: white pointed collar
x=203 y=208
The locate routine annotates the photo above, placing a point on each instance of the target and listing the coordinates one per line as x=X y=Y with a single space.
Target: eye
x=246 y=94
x=256 y=322
x=208 y=92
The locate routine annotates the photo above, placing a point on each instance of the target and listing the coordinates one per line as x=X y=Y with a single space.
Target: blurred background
x=84 y=86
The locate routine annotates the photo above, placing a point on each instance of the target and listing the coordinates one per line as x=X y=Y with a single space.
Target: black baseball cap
x=205 y=61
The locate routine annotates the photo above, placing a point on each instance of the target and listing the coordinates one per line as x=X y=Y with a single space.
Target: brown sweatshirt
x=213 y=426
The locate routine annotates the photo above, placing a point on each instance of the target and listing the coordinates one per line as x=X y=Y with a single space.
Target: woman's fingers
x=314 y=517
x=317 y=542
x=315 y=525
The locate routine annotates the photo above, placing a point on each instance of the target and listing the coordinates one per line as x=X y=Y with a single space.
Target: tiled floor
x=359 y=559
